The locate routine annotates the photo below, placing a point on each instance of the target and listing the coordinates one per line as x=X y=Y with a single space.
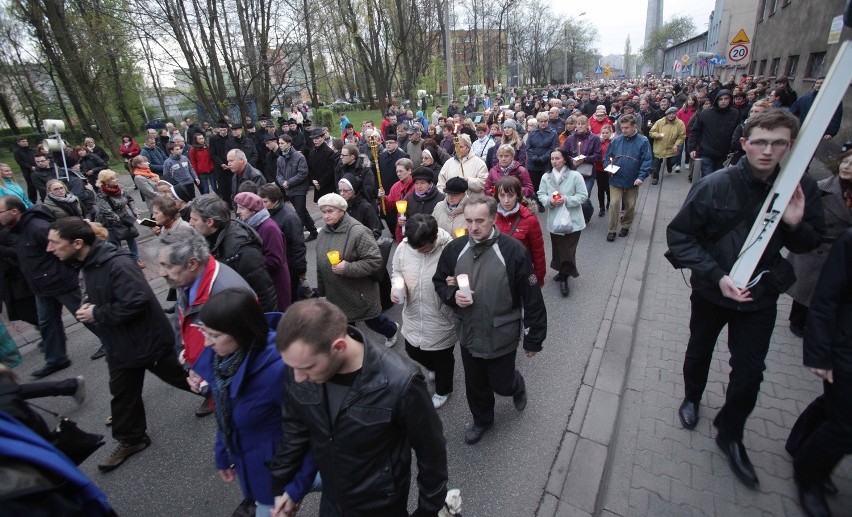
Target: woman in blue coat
x=246 y=377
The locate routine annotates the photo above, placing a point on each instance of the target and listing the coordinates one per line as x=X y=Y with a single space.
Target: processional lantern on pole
x=54 y=143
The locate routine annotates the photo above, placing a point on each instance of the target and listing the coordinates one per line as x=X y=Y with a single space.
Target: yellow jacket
x=665 y=135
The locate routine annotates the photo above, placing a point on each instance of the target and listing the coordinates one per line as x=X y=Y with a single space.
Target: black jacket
x=128 y=314
x=218 y=151
x=321 y=162
x=91 y=165
x=426 y=205
x=362 y=211
x=288 y=220
x=45 y=274
x=245 y=144
x=713 y=129
x=239 y=246
x=365 y=456
x=387 y=166
x=25 y=158
x=828 y=336
x=694 y=235
x=369 y=189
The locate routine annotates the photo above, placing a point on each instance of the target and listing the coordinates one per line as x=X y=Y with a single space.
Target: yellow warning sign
x=740 y=38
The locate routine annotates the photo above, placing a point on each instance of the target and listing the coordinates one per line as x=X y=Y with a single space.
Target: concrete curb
x=576 y=481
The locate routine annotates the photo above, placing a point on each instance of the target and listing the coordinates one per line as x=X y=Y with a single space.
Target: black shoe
x=540 y=208
x=312 y=237
x=557 y=277
x=688 y=414
x=610 y=236
x=171 y=310
x=51 y=368
x=654 y=181
x=813 y=501
x=563 y=287
x=100 y=352
x=797 y=329
x=624 y=232
x=602 y=212
x=206 y=408
x=739 y=462
x=520 y=398
x=474 y=433
x=247 y=507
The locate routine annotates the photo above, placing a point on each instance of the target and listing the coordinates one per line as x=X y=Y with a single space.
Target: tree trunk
x=312 y=73
x=120 y=95
x=7 y=114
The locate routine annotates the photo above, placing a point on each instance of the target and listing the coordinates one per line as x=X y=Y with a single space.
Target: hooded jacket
x=427 y=323
x=127 y=312
x=711 y=134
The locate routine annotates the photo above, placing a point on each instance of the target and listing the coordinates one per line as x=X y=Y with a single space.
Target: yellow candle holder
x=460 y=232
x=333 y=257
x=401 y=206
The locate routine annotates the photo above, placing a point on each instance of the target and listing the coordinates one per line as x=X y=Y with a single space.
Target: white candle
x=464 y=285
x=399 y=288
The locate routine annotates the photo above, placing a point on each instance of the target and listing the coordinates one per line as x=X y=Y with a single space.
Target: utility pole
x=449 y=52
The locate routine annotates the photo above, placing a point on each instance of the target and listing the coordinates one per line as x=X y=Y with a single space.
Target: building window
x=762 y=67
x=816 y=63
x=771 y=6
x=792 y=67
x=773 y=71
x=760 y=9
x=752 y=67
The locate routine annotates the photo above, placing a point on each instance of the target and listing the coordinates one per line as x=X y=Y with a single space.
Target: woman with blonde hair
x=62 y=203
x=114 y=209
x=10 y=187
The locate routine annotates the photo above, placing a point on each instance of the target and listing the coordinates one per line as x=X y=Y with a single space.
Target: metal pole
x=449 y=52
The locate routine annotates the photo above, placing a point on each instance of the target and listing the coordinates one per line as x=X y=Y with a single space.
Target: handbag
x=561 y=224
x=586 y=170
x=72 y=441
x=127 y=227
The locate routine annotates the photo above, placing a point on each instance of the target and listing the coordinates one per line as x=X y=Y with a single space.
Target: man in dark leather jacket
x=361 y=409
x=707 y=236
x=235 y=244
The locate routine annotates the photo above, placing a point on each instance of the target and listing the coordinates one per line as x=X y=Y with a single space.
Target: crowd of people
x=461 y=200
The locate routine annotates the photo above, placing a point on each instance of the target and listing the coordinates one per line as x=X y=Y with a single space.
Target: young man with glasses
x=707 y=236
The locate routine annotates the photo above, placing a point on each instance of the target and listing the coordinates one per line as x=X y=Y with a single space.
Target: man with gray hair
x=243 y=171
x=187 y=266
x=235 y=244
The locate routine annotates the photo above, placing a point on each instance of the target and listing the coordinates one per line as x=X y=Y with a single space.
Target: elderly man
x=235 y=244
x=668 y=135
x=501 y=302
x=464 y=165
x=243 y=171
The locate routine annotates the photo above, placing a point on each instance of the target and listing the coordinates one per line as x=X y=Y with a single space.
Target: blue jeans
x=131 y=245
x=710 y=165
x=50 y=324
x=590 y=183
x=383 y=325
x=206 y=181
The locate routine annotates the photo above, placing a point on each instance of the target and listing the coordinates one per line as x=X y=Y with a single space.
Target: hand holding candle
x=401 y=206
x=460 y=232
x=333 y=257
x=464 y=296
x=398 y=291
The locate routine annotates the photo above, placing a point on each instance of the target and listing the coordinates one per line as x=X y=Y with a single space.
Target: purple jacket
x=590 y=143
x=275 y=260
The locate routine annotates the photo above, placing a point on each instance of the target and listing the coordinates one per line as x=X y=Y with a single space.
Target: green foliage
x=324 y=118
x=676 y=30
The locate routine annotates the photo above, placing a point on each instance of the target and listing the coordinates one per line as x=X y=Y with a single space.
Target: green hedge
x=9 y=141
x=9 y=132
x=323 y=118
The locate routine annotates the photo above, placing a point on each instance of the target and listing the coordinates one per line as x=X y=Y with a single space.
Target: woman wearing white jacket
x=427 y=323
x=563 y=186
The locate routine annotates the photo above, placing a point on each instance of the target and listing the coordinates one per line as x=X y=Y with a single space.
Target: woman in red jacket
x=516 y=220
x=685 y=113
x=602 y=176
x=128 y=150
x=199 y=158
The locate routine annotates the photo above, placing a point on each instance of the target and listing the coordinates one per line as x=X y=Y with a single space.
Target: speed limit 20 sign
x=738 y=53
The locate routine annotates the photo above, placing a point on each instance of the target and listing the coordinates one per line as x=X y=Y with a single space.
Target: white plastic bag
x=562 y=224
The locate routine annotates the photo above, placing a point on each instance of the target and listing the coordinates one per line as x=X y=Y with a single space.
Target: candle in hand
x=399 y=288
x=401 y=206
x=556 y=196
x=460 y=232
x=464 y=285
x=333 y=257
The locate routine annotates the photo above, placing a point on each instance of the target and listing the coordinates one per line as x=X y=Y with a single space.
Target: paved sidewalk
x=658 y=468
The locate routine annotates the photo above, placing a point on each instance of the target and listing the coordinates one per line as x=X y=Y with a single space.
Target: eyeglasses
x=776 y=144
x=57 y=189
x=344 y=190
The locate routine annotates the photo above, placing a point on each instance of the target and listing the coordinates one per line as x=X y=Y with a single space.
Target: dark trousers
x=823 y=433
x=125 y=386
x=300 y=205
x=32 y=193
x=657 y=162
x=36 y=390
x=798 y=314
x=382 y=324
x=223 y=181
x=485 y=377
x=602 y=178
x=748 y=341
x=442 y=362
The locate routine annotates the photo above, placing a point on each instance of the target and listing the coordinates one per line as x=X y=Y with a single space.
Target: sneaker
x=439 y=400
x=610 y=236
x=206 y=408
x=430 y=375
x=624 y=232
x=391 y=341
x=100 y=352
x=122 y=452
x=80 y=394
x=654 y=181
x=677 y=168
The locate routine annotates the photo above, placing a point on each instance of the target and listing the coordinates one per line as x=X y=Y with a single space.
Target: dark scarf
x=423 y=196
x=68 y=203
x=112 y=190
x=846 y=190
x=224 y=369
x=289 y=152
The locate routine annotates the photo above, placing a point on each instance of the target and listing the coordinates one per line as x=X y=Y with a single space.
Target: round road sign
x=738 y=53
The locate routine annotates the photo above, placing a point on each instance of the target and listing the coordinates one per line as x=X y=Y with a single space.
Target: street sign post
x=794 y=165
x=738 y=53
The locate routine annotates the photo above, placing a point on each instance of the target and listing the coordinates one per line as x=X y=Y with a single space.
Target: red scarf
x=112 y=190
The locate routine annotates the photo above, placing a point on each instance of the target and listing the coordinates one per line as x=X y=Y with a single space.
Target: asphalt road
x=503 y=475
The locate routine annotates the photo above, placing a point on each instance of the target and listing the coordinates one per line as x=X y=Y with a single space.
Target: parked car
x=156 y=123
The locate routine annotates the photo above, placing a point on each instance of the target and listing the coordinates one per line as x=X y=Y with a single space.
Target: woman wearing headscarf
x=359 y=208
x=246 y=377
x=427 y=322
x=352 y=283
x=9 y=187
x=429 y=162
x=251 y=211
x=563 y=186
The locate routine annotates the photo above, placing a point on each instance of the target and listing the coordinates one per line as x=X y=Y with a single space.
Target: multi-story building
x=682 y=59
x=730 y=36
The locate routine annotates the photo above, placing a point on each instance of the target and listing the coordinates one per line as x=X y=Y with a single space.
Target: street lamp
x=565 y=28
